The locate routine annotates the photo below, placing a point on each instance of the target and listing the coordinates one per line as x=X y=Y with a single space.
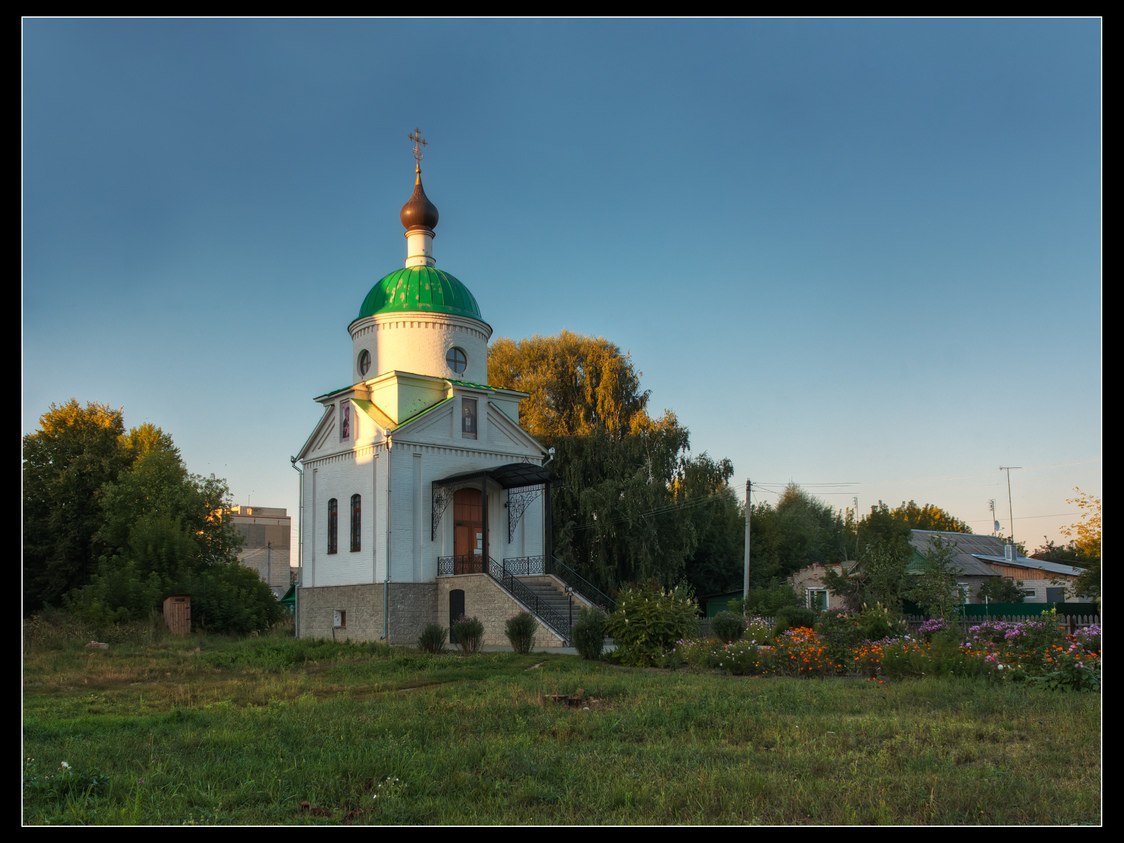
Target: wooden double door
x=468 y=531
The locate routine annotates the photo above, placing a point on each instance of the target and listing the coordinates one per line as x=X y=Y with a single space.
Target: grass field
x=281 y=732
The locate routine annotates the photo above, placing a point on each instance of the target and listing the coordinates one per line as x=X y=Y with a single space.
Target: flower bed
x=1039 y=651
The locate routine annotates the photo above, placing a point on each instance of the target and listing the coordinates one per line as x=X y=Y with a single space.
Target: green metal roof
x=472 y=385
x=422 y=289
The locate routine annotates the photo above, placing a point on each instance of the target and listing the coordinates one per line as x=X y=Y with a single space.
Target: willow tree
x=577 y=386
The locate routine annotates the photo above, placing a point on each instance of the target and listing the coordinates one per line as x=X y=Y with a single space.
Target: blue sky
x=841 y=251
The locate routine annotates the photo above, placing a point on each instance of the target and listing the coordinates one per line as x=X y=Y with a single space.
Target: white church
x=422 y=499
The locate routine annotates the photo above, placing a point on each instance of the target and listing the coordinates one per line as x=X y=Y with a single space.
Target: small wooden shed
x=177 y=614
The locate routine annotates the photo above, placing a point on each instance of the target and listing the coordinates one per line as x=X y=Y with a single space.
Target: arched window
x=356 y=519
x=333 y=524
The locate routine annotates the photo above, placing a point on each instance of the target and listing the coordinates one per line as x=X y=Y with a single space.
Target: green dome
x=420 y=289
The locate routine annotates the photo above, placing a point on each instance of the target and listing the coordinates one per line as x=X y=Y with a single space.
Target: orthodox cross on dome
x=419 y=142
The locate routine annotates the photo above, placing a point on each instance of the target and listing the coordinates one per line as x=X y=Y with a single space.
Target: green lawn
x=280 y=732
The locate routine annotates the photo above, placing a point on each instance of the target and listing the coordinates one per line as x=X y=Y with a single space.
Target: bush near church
x=589 y=633
x=650 y=620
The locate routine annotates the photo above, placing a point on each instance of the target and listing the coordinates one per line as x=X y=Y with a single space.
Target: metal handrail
x=466 y=563
x=505 y=573
x=549 y=616
x=581 y=585
x=524 y=566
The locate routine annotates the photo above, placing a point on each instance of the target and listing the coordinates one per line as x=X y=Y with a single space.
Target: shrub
x=727 y=627
x=841 y=635
x=650 y=621
x=877 y=622
x=697 y=653
x=1075 y=668
x=792 y=617
x=521 y=632
x=231 y=599
x=469 y=634
x=905 y=657
x=769 y=600
x=433 y=638
x=588 y=633
x=745 y=658
x=941 y=656
x=759 y=631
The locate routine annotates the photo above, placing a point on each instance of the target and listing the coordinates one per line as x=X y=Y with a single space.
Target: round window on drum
x=456 y=359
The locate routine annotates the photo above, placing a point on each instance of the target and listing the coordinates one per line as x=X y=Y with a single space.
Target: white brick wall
x=418 y=343
x=413 y=552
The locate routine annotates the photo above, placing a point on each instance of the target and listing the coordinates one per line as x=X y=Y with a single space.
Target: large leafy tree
x=881 y=527
x=1085 y=535
x=928 y=516
x=164 y=534
x=1083 y=549
x=798 y=531
x=66 y=464
x=717 y=520
x=934 y=587
x=577 y=386
x=879 y=578
x=630 y=502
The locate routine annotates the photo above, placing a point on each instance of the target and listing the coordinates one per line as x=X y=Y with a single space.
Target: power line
x=1027 y=517
x=803 y=485
x=661 y=510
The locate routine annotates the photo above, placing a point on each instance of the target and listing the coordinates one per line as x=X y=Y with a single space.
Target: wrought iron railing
x=580 y=584
x=524 y=566
x=468 y=563
x=556 y=620
x=507 y=574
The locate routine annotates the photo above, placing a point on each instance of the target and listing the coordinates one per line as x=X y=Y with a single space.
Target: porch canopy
x=523 y=482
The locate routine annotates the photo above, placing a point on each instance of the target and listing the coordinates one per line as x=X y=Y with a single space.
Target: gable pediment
x=434 y=424
x=505 y=433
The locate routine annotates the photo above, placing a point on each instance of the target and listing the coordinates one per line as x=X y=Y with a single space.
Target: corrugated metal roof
x=966 y=547
x=973 y=553
x=1037 y=564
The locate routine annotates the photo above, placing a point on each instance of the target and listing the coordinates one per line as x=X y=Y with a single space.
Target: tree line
x=632 y=502
x=113 y=523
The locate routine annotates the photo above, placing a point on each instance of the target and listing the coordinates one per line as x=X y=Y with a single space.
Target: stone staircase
x=558 y=605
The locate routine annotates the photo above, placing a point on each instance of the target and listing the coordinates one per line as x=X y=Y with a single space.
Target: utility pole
x=856 y=500
x=1010 y=508
x=745 y=578
x=269 y=564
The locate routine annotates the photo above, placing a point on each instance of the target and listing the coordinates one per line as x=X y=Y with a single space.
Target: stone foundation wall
x=487 y=601
x=412 y=606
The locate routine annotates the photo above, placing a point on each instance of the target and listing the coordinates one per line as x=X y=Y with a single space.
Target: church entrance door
x=468 y=532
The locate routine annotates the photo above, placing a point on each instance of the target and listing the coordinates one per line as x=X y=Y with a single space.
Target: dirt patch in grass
x=579 y=699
